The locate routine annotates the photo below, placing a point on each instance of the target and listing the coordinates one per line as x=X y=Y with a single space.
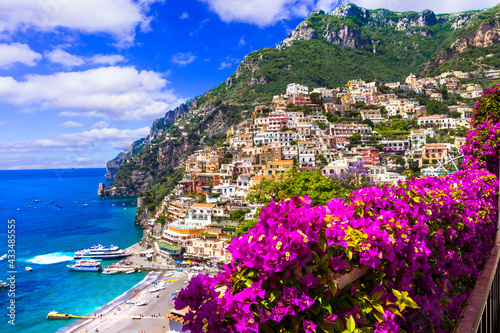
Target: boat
x=130 y=271
x=136 y=317
x=19 y=209
x=37 y=200
x=158 y=287
x=169 y=274
x=101 y=252
x=84 y=265
x=3 y=284
x=3 y=257
x=141 y=303
x=29 y=269
x=109 y=271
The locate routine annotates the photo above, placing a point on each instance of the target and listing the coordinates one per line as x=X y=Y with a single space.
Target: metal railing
x=482 y=312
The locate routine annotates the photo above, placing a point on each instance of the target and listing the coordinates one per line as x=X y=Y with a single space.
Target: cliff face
x=487 y=34
x=147 y=165
x=157 y=129
x=350 y=25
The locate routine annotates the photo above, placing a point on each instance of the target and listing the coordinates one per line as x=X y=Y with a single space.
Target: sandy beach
x=117 y=315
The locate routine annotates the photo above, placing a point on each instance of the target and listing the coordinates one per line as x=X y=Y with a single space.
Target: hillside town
x=320 y=129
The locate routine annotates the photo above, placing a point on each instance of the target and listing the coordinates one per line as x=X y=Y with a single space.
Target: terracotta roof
x=201 y=205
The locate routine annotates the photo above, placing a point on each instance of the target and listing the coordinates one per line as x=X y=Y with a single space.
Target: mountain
x=325 y=50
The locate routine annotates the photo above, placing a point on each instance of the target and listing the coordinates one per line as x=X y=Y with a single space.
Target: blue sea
x=47 y=236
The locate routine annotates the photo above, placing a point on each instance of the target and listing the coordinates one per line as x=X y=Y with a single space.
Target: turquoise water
x=46 y=238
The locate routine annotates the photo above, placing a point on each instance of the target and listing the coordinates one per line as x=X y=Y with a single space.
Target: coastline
x=108 y=307
x=117 y=313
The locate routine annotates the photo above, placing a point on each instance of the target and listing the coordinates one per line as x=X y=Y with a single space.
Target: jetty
x=60 y=316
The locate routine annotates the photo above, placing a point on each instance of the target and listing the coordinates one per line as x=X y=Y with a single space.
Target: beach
x=116 y=316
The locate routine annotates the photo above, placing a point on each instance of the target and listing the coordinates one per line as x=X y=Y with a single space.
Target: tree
x=315 y=97
x=413 y=166
x=322 y=159
x=400 y=161
x=355 y=139
x=312 y=183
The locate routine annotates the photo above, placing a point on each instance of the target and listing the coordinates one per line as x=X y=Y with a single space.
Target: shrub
x=422 y=244
x=483 y=141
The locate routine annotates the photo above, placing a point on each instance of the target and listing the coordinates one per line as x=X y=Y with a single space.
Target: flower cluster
x=420 y=246
x=483 y=140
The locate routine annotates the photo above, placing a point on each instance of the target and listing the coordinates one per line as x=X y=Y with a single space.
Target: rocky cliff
x=486 y=35
x=157 y=129
x=350 y=25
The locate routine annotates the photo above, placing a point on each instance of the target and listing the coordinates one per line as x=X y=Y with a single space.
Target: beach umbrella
x=188 y=262
x=177 y=261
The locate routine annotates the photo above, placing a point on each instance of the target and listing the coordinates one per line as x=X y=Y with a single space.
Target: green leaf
x=411 y=303
x=351 y=324
x=333 y=287
x=396 y=293
x=380 y=318
x=248 y=283
x=376 y=296
x=396 y=312
x=378 y=307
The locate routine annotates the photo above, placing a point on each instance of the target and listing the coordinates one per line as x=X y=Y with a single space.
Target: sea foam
x=51 y=258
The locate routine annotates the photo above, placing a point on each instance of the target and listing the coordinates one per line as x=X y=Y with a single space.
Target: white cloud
x=259 y=12
x=100 y=124
x=118 y=18
x=228 y=62
x=78 y=142
x=116 y=93
x=69 y=160
x=184 y=16
x=68 y=60
x=268 y=12
x=225 y=64
x=71 y=124
x=443 y=6
x=102 y=59
x=200 y=26
x=62 y=57
x=241 y=42
x=182 y=59
x=17 y=53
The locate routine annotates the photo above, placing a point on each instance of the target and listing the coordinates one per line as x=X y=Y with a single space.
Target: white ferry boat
x=101 y=252
x=86 y=266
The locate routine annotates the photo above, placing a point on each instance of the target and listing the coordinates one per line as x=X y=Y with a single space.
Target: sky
x=80 y=80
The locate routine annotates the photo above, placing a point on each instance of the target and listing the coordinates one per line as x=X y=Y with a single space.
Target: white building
x=326 y=93
x=266 y=138
x=294 y=89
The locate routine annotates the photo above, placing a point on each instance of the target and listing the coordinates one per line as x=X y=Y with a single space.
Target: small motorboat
x=29 y=269
x=169 y=274
x=130 y=271
x=19 y=209
x=136 y=317
x=37 y=200
x=3 y=257
x=3 y=284
x=141 y=303
x=109 y=271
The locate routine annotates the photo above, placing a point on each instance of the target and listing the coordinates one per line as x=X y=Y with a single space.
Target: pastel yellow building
x=278 y=168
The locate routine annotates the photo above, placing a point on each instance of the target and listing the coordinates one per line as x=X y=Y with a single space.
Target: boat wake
x=51 y=258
